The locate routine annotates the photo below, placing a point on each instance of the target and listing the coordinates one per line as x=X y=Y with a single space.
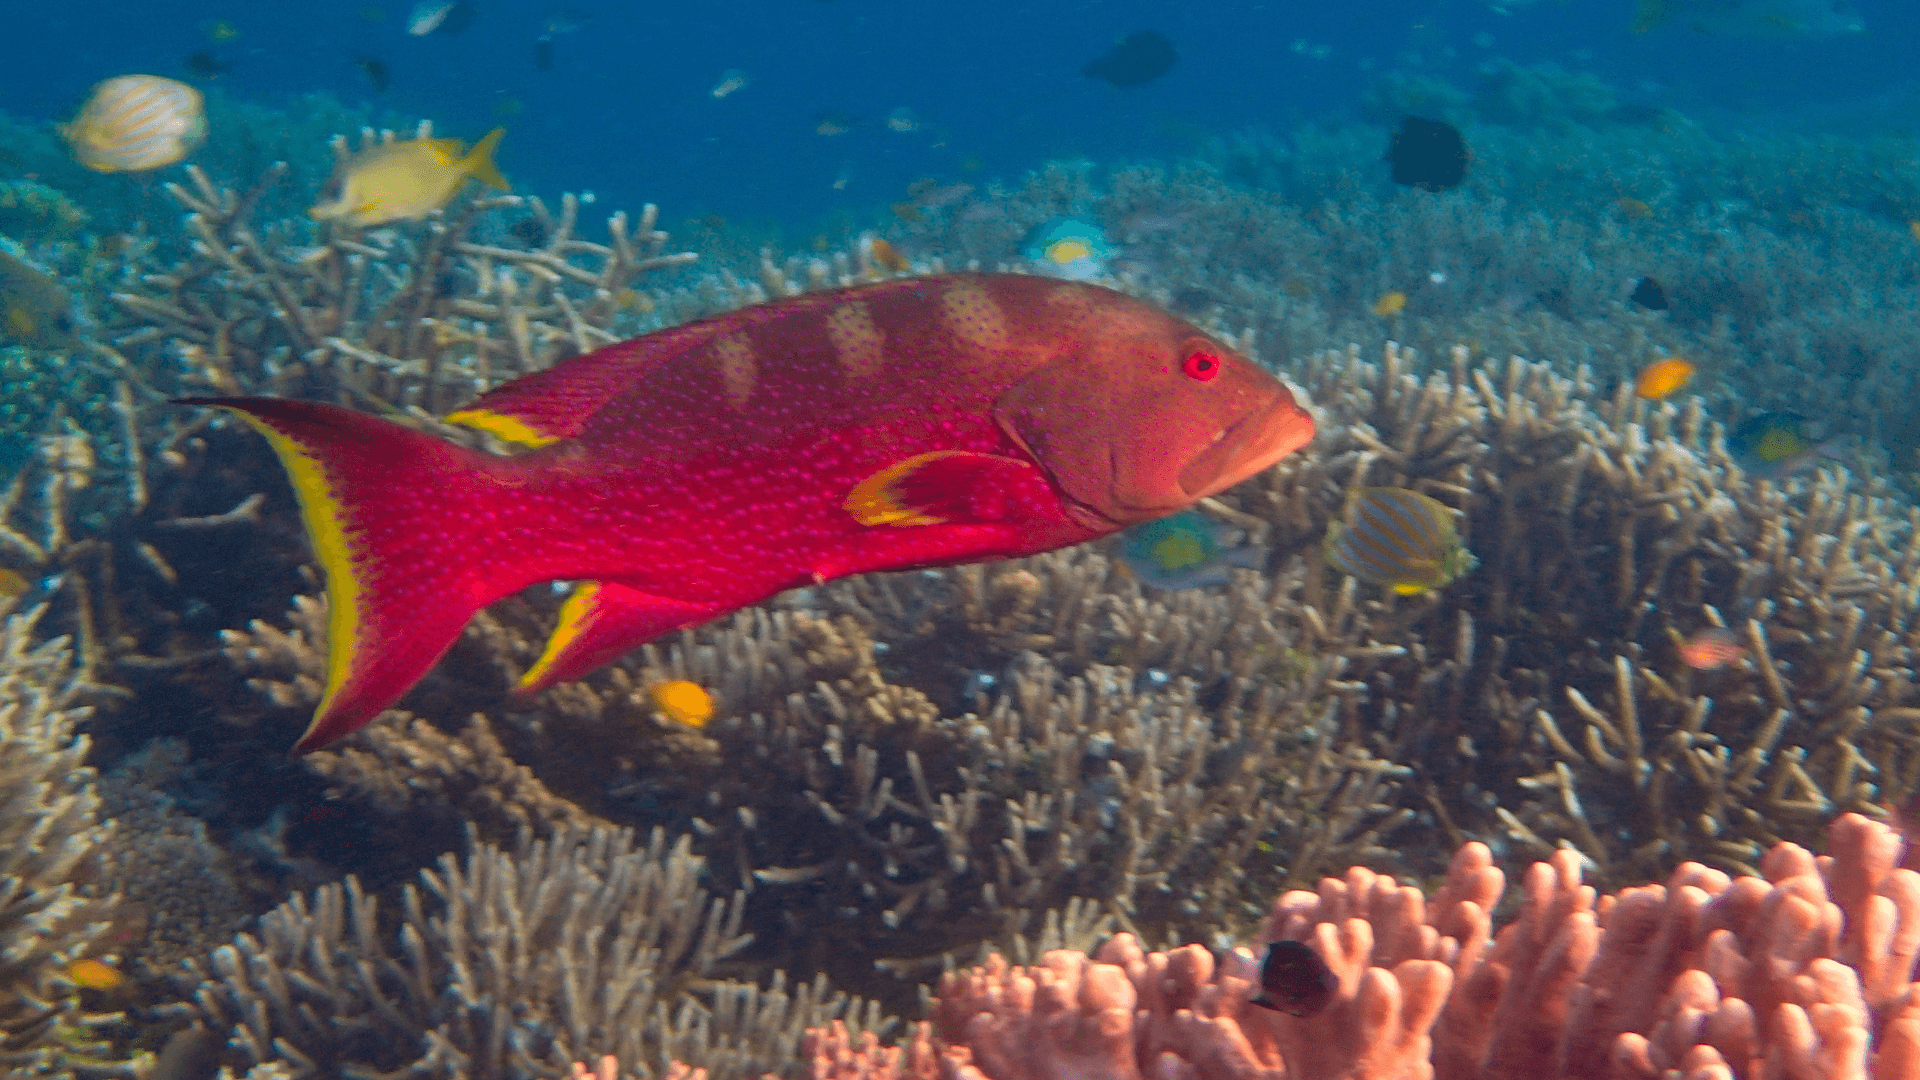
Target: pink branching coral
x=1805 y=974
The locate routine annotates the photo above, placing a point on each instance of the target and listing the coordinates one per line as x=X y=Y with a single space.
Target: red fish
x=689 y=473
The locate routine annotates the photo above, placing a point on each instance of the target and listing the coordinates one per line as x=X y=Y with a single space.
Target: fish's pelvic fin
x=396 y=518
x=601 y=622
x=479 y=161
x=939 y=488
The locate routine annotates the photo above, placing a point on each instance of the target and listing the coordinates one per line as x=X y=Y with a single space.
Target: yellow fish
x=409 y=179
x=133 y=123
x=1660 y=379
x=1390 y=305
x=683 y=701
x=95 y=974
x=34 y=310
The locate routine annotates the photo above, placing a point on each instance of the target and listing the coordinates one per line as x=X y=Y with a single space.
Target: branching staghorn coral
x=836 y=789
x=1541 y=699
x=507 y=965
x=50 y=837
x=421 y=316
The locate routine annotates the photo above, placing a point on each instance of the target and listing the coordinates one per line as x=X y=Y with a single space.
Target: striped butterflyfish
x=133 y=123
x=1399 y=540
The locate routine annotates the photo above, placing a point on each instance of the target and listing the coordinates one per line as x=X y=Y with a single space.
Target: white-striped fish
x=133 y=123
x=1398 y=539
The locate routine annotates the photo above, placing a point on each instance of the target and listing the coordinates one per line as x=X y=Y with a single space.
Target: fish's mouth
x=1248 y=446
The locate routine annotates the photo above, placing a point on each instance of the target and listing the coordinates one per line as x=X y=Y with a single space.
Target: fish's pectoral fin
x=601 y=622
x=943 y=487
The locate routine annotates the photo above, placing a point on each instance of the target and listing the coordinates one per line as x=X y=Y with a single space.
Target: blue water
x=627 y=112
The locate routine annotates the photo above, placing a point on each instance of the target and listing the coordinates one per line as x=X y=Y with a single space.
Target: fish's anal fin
x=601 y=622
x=943 y=487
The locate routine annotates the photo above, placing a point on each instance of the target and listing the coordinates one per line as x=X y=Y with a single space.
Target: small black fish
x=376 y=72
x=1139 y=58
x=1649 y=294
x=1428 y=154
x=543 y=53
x=205 y=65
x=1295 y=980
x=1191 y=300
x=530 y=232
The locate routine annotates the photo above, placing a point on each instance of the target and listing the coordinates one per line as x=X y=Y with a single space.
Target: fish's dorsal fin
x=547 y=406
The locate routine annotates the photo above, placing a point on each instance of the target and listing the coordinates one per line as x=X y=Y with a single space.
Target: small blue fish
x=1067 y=248
x=1776 y=444
x=1185 y=551
x=1398 y=539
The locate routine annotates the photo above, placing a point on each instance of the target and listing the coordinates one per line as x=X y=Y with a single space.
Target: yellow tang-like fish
x=34 y=310
x=408 y=179
x=133 y=123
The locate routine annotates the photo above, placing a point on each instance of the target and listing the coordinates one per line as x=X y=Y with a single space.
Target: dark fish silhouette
x=1295 y=980
x=1137 y=59
x=376 y=72
x=1649 y=294
x=543 y=53
x=1428 y=154
x=205 y=65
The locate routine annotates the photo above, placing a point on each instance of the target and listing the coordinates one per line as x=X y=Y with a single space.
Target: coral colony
x=1642 y=661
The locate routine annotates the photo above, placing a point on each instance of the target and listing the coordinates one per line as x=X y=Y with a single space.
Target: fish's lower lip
x=1247 y=446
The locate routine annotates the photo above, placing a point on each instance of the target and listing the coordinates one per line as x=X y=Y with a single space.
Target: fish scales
x=706 y=468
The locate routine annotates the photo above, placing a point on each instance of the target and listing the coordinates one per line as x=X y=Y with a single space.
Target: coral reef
x=507 y=965
x=1804 y=972
x=50 y=837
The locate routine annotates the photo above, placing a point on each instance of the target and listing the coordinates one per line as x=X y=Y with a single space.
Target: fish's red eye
x=1200 y=365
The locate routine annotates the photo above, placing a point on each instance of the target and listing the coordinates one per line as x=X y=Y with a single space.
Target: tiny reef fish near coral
x=1649 y=294
x=1663 y=378
x=134 y=123
x=683 y=702
x=35 y=311
x=1390 y=304
x=409 y=179
x=1135 y=60
x=695 y=471
x=1184 y=551
x=1295 y=980
x=1714 y=647
x=1428 y=154
x=1776 y=444
x=1398 y=539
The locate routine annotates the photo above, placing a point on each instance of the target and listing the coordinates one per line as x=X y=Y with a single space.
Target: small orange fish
x=95 y=974
x=1390 y=305
x=887 y=256
x=1660 y=379
x=683 y=701
x=1714 y=647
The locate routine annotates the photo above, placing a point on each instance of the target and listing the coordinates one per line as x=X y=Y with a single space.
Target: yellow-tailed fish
x=1184 y=551
x=686 y=702
x=34 y=310
x=409 y=179
x=1398 y=539
x=133 y=123
x=1662 y=378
